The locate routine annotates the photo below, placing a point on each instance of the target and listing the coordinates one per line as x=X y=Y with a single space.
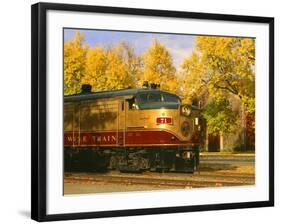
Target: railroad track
x=142 y=180
x=215 y=174
x=225 y=174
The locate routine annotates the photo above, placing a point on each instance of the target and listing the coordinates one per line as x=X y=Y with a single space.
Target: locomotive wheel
x=133 y=162
x=67 y=162
x=162 y=170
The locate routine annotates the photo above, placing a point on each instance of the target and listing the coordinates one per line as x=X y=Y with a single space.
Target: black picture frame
x=38 y=110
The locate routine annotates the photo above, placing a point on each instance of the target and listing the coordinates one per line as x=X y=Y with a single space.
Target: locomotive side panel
x=143 y=129
x=99 y=116
x=112 y=123
x=71 y=124
x=121 y=132
x=172 y=132
x=68 y=115
x=93 y=123
x=71 y=115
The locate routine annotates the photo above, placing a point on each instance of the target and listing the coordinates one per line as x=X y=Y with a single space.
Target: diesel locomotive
x=130 y=130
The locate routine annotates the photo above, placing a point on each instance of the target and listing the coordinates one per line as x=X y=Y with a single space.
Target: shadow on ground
x=214 y=168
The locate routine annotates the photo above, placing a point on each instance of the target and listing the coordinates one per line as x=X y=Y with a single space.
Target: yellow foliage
x=95 y=69
x=158 y=68
x=114 y=68
x=223 y=65
x=118 y=71
x=74 y=64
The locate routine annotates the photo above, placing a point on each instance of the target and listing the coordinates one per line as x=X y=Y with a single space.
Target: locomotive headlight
x=187 y=155
x=185 y=110
x=196 y=121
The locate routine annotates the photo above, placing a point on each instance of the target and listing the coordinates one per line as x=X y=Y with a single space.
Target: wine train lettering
x=88 y=139
x=130 y=130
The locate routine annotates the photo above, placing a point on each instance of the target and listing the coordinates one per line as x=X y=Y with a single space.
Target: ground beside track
x=216 y=170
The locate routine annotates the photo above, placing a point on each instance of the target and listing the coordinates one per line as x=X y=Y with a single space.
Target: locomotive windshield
x=157 y=100
x=157 y=97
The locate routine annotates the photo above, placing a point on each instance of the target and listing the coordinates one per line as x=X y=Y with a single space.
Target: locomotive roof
x=110 y=94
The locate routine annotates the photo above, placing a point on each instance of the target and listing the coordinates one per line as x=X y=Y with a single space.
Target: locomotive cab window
x=157 y=100
x=158 y=97
x=132 y=105
x=151 y=97
x=171 y=98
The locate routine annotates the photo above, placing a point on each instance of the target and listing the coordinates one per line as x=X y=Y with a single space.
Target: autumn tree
x=95 y=69
x=158 y=67
x=222 y=67
x=122 y=67
x=111 y=68
x=131 y=61
x=192 y=75
x=74 y=63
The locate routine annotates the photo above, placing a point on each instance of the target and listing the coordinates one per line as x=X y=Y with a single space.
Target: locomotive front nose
x=164 y=120
x=190 y=122
x=185 y=128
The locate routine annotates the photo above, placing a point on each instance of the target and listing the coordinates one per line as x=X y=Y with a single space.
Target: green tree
x=220 y=117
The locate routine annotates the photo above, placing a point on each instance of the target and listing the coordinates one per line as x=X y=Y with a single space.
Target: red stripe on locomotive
x=115 y=139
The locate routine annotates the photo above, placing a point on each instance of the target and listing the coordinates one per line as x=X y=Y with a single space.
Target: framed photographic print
x=140 y=111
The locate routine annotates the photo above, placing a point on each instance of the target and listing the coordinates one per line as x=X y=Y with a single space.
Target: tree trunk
x=221 y=141
x=207 y=140
x=243 y=127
